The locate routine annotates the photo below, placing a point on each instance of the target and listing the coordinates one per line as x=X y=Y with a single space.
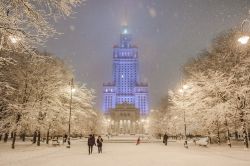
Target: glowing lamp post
x=14 y=39
x=244 y=38
x=72 y=90
x=142 y=125
x=109 y=126
x=182 y=91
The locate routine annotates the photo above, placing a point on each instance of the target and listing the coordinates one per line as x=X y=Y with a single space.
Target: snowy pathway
x=123 y=154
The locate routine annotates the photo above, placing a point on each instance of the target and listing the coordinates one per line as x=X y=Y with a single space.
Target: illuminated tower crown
x=125 y=87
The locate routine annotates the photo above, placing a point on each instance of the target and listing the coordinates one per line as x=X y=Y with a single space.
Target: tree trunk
x=245 y=135
x=38 y=138
x=1 y=137
x=23 y=136
x=209 y=137
x=34 y=137
x=5 y=139
x=228 y=133
x=218 y=137
x=13 y=140
x=243 y=118
x=47 y=137
x=13 y=134
x=210 y=140
x=236 y=135
x=218 y=133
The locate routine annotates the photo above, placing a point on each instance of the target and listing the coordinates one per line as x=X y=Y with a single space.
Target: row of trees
x=35 y=97
x=214 y=95
x=34 y=87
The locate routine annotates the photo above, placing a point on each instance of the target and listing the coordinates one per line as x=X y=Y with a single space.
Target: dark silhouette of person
x=165 y=139
x=91 y=143
x=65 y=138
x=99 y=144
x=138 y=140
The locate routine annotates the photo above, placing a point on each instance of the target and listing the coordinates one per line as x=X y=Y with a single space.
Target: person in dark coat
x=165 y=139
x=65 y=138
x=138 y=140
x=99 y=144
x=91 y=143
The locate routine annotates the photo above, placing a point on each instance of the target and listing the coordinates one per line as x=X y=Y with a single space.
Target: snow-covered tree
x=217 y=99
x=158 y=118
x=25 y=24
x=35 y=95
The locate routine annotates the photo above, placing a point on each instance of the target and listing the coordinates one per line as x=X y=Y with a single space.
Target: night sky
x=167 y=32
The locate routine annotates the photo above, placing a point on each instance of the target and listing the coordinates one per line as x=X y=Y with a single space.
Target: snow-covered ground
x=123 y=154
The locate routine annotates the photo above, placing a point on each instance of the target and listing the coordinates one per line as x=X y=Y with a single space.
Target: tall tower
x=125 y=87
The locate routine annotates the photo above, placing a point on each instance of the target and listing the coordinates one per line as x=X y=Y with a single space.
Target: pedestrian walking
x=229 y=142
x=65 y=138
x=165 y=139
x=91 y=143
x=138 y=140
x=99 y=144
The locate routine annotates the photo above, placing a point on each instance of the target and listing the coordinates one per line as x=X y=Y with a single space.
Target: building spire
x=125 y=14
x=125 y=30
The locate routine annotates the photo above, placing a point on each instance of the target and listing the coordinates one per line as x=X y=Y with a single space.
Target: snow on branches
x=219 y=88
x=25 y=24
x=35 y=95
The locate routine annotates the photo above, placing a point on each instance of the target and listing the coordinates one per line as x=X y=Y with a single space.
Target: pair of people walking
x=92 y=142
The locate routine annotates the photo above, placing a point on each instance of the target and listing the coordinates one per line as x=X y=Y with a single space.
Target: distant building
x=124 y=119
x=126 y=86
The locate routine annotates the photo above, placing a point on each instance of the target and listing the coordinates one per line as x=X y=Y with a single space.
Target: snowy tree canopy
x=158 y=118
x=218 y=89
x=25 y=24
x=35 y=95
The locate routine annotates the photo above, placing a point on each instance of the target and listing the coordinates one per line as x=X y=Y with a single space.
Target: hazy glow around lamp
x=14 y=39
x=244 y=39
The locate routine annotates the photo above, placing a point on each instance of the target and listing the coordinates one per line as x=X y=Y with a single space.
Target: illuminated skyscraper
x=125 y=87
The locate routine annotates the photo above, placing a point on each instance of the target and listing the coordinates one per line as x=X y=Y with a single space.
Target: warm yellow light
x=73 y=90
x=244 y=39
x=142 y=120
x=185 y=87
x=181 y=90
x=14 y=39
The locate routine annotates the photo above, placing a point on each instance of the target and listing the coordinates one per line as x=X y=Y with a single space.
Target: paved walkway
x=124 y=154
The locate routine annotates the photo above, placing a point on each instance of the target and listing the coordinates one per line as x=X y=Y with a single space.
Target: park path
x=123 y=154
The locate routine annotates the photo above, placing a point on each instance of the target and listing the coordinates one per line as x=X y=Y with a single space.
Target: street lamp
x=109 y=126
x=182 y=91
x=142 y=126
x=244 y=38
x=14 y=39
x=72 y=90
x=175 y=126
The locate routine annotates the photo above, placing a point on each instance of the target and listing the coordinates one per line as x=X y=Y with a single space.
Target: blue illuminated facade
x=125 y=87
